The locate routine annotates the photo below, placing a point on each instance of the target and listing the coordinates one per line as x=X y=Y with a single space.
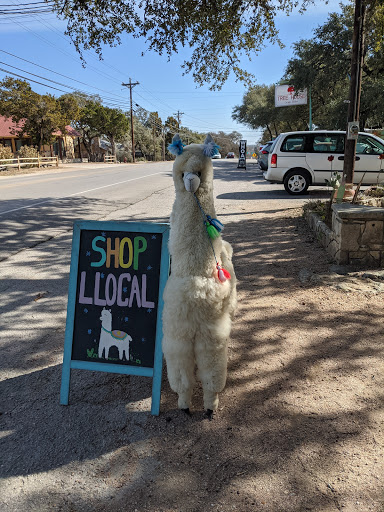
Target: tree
x=227 y=141
x=218 y=33
x=324 y=62
x=112 y=123
x=88 y=126
x=41 y=115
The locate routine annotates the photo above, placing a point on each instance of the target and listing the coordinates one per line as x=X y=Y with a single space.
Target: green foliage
x=334 y=182
x=41 y=115
x=227 y=141
x=94 y=120
x=323 y=63
x=218 y=33
x=376 y=191
x=111 y=122
x=5 y=152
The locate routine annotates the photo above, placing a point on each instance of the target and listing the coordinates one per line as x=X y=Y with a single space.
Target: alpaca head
x=192 y=169
x=106 y=315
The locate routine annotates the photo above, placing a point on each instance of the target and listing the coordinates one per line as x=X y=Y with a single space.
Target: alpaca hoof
x=187 y=411
x=209 y=414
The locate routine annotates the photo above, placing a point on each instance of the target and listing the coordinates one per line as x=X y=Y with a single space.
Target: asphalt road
x=35 y=208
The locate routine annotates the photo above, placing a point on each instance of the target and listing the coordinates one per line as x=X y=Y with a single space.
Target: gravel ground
x=300 y=423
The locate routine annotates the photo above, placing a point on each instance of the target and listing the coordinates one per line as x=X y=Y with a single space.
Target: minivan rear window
x=293 y=143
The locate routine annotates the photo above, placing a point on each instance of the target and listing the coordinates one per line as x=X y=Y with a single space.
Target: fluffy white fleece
x=197 y=307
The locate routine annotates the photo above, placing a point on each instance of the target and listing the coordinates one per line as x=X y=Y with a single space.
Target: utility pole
x=178 y=114
x=154 y=142
x=354 y=89
x=130 y=85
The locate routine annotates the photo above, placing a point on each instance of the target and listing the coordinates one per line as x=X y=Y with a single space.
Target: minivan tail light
x=274 y=160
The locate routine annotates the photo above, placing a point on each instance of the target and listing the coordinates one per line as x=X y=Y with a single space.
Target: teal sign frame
x=95 y=246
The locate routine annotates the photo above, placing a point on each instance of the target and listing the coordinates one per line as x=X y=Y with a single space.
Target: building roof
x=7 y=126
x=70 y=131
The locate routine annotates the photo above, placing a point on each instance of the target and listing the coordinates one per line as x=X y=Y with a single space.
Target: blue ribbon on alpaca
x=177 y=147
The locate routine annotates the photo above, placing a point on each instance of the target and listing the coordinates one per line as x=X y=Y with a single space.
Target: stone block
x=341 y=257
x=358 y=212
x=372 y=233
x=350 y=234
x=333 y=249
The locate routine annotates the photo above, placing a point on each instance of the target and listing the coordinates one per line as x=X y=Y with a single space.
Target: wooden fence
x=40 y=161
x=110 y=159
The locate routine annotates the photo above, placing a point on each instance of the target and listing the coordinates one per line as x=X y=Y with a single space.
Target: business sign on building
x=285 y=96
x=242 y=155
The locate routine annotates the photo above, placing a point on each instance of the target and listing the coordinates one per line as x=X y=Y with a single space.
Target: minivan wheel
x=296 y=182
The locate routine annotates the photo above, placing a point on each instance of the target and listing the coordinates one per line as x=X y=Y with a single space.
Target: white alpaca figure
x=198 y=307
x=109 y=338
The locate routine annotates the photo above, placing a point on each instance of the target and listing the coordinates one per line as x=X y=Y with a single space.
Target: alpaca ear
x=209 y=146
x=176 y=148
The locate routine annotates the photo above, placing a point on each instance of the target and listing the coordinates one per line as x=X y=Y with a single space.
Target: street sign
x=117 y=277
x=242 y=155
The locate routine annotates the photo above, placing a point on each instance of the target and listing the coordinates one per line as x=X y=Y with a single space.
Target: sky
x=162 y=87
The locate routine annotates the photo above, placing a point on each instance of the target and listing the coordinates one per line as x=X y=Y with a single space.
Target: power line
x=30 y=79
x=45 y=2
x=56 y=73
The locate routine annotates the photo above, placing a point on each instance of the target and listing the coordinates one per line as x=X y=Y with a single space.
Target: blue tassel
x=215 y=223
x=177 y=147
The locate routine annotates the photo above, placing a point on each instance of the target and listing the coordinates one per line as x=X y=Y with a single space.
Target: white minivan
x=301 y=159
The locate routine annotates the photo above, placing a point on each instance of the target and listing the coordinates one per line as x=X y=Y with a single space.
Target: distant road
x=35 y=207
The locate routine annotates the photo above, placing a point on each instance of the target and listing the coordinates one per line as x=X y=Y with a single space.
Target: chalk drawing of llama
x=109 y=338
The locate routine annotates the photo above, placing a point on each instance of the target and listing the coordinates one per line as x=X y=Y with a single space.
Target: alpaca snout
x=191 y=182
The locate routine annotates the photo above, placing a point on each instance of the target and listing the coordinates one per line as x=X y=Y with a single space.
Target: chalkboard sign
x=118 y=273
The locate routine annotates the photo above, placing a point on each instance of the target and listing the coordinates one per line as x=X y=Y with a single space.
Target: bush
x=5 y=152
x=377 y=191
x=28 y=152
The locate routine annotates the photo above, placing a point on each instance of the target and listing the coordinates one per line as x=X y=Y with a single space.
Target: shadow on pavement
x=278 y=433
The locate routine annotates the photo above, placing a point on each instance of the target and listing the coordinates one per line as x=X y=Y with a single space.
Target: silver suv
x=301 y=159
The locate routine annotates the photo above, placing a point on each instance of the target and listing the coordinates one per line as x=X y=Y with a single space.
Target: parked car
x=217 y=155
x=301 y=159
x=263 y=155
x=231 y=154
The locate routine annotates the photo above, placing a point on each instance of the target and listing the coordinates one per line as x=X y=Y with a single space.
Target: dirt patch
x=300 y=424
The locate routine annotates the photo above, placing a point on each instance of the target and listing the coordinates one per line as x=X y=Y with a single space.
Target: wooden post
x=57 y=161
x=38 y=161
x=355 y=88
x=18 y=163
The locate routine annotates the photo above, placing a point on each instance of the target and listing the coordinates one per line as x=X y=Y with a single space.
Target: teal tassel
x=215 y=223
x=211 y=230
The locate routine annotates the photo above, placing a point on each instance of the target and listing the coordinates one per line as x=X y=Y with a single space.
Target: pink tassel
x=222 y=274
